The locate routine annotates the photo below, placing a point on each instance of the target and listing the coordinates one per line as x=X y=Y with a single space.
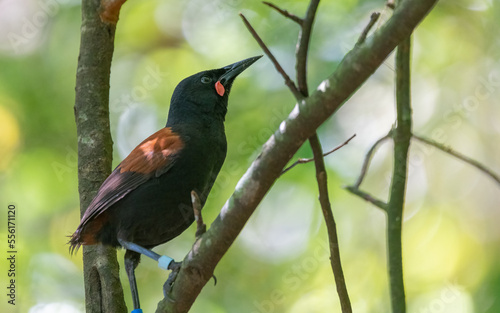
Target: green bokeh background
x=280 y=261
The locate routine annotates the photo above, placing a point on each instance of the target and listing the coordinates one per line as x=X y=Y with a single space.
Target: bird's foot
x=175 y=268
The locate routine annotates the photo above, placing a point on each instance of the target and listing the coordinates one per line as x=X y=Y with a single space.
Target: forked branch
x=304 y=161
x=306 y=117
x=460 y=156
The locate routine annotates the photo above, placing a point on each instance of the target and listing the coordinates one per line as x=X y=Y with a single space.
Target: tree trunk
x=103 y=291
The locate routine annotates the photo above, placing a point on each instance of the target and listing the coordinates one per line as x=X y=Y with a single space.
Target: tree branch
x=335 y=260
x=354 y=189
x=306 y=26
x=367 y=197
x=401 y=137
x=303 y=47
x=368 y=158
x=305 y=118
x=460 y=156
x=285 y=13
x=103 y=290
x=304 y=161
x=288 y=81
x=373 y=19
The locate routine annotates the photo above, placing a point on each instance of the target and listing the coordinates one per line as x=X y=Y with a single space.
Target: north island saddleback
x=145 y=201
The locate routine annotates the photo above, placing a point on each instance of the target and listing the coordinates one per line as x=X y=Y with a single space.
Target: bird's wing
x=151 y=158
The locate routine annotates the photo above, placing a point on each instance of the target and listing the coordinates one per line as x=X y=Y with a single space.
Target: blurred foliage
x=280 y=262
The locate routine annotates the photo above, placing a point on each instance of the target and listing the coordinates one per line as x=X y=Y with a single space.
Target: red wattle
x=219 y=88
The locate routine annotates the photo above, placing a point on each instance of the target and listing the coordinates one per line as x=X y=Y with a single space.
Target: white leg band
x=164 y=261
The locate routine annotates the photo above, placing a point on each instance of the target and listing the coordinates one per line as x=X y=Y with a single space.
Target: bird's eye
x=206 y=80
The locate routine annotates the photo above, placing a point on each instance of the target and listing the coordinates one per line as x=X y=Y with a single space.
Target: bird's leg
x=201 y=228
x=131 y=261
x=132 y=257
x=163 y=260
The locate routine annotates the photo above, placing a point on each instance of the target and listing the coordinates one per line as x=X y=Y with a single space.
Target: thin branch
x=303 y=47
x=460 y=156
x=368 y=157
x=321 y=177
x=373 y=19
x=303 y=161
x=302 y=92
x=288 y=81
x=367 y=197
x=285 y=13
x=308 y=115
x=335 y=260
x=395 y=206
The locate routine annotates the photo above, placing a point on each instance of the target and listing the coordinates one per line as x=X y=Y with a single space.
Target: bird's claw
x=174 y=267
x=215 y=280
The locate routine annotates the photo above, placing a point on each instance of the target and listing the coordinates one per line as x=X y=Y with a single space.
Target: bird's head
x=204 y=95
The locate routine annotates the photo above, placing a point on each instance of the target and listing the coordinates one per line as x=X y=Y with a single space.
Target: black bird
x=145 y=201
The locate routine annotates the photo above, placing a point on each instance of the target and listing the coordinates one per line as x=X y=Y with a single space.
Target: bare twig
x=366 y=196
x=368 y=158
x=288 y=81
x=301 y=93
x=303 y=47
x=303 y=161
x=319 y=162
x=285 y=13
x=373 y=19
x=331 y=226
x=460 y=156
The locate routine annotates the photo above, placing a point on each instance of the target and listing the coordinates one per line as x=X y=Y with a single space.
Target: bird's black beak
x=236 y=69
